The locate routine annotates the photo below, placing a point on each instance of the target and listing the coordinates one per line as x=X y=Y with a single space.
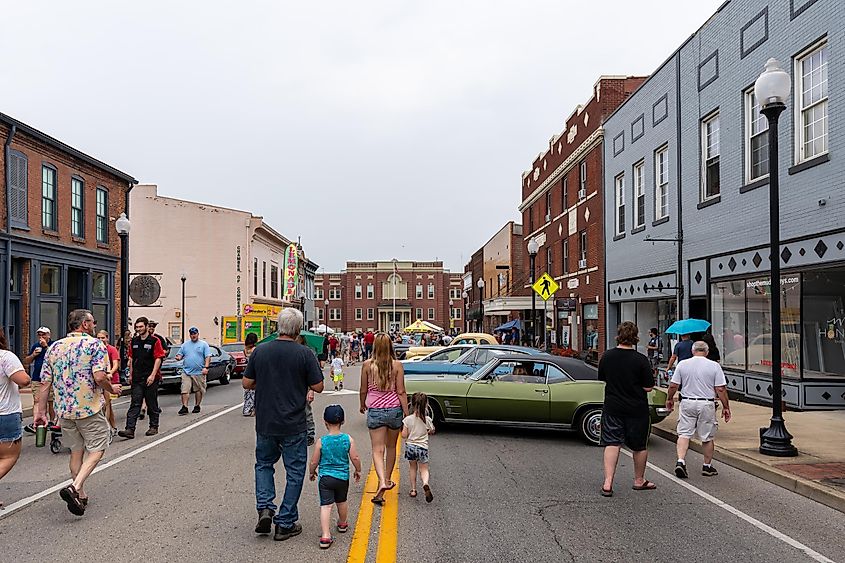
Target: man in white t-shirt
x=700 y=381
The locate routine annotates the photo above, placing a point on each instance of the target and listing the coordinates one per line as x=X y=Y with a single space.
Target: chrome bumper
x=662 y=411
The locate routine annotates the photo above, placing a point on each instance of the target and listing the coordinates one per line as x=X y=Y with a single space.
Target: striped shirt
x=378 y=399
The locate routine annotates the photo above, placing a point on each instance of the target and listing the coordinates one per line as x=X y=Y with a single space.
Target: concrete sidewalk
x=818 y=472
x=26 y=399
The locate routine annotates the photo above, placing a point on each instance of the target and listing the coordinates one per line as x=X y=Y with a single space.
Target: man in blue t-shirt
x=36 y=359
x=682 y=351
x=195 y=355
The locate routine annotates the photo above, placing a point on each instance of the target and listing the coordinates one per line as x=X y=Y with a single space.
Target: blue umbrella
x=688 y=326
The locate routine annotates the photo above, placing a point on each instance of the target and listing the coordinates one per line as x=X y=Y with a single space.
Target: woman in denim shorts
x=384 y=400
x=12 y=376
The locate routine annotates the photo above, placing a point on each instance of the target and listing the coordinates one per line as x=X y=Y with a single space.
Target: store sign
x=573 y=283
x=567 y=304
x=263 y=310
x=291 y=273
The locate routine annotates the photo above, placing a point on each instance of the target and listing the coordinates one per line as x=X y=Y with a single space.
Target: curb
x=804 y=487
x=27 y=412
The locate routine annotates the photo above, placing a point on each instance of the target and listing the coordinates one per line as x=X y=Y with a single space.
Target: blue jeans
x=294 y=453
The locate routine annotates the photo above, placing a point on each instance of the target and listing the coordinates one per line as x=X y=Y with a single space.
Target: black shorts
x=632 y=431
x=333 y=490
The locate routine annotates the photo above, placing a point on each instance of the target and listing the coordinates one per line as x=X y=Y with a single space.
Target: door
x=515 y=391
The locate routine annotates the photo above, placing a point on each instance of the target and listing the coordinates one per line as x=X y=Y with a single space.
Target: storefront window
x=49 y=280
x=824 y=323
x=758 y=307
x=99 y=285
x=728 y=300
x=49 y=315
x=100 y=313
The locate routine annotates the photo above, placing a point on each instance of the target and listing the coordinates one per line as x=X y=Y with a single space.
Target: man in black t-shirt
x=145 y=357
x=281 y=372
x=625 y=418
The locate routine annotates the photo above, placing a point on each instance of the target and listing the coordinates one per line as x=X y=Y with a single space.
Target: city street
x=503 y=495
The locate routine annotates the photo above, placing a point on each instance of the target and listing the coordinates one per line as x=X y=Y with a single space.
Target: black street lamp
x=326 y=318
x=304 y=312
x=771 y=92
x=533 y=248
x=465 y=295
x=184 y=279
x=480 y=285
x=451 y=323
x=123 y=225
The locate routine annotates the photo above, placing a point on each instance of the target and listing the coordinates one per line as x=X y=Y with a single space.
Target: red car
x=236 y=350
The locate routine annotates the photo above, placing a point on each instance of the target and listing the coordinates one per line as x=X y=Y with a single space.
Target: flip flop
x=646 y=486
x=412 y=494
x=428 y=496
x=390 y=485
x=379 y=498
x=71 y=497
x=606 y=492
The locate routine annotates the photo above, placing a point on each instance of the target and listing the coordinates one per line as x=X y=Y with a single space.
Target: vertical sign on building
x=291 y=273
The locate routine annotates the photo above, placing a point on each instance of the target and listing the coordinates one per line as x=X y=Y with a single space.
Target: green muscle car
x=514 y=390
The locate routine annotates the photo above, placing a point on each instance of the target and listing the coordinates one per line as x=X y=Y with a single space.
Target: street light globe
x=451 y=303
x=302 y=295
x=326 y=302
x=773 y=86
x=533 y=247
x=464 y=294
x=122 y=224
x=480 y=284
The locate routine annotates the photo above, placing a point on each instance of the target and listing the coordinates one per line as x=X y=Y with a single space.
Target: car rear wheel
x=589 y=424
x=227 y=376
x=436 y=414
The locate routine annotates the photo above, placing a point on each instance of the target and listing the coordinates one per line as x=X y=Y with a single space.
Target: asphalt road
x=500 y=495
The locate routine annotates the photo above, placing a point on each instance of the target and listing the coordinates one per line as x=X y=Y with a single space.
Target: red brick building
x=382 y=295
x=60 y=249
x=562 y=210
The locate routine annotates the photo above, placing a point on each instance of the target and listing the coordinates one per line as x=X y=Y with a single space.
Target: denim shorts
x=10 y=427
x=392 y=418
x=416 y=453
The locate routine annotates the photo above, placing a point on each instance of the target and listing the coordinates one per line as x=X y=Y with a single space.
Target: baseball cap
x=43 y=329
x=193 y=330
x=334 y=414
x=152 y=323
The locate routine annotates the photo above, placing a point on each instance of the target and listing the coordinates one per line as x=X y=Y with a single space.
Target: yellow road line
x=389 y=529
x=364 y=521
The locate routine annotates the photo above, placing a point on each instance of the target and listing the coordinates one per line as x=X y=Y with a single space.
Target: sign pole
x=545 y=325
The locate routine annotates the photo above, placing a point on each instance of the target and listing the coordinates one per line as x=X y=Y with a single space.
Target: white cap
x=44 y=329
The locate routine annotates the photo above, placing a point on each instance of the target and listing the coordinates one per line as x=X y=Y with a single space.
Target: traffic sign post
x=546 y=287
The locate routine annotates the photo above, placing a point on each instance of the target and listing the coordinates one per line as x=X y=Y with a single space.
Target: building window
x=710 y=157
x=334 y=314
x=583 y=177
x=419 y=314
x=102 y=215
x=620 y=204
x=318 y=293
x=661 y=183
x=564 y=194
x=371 y=314
x=320 y=314
x=430 y=314
x=756 y=140
x=18 y=178
x=264 y=278
x=77 y=211
x=334 y=293
x=431 y=291
x=359 y=314
x=639 y=195
x=358 y=292
x=419 y=291
x=565 y=256
x=811 y=89
x=549 y=260
x=583 y=246
x=48 y=198
x=274 y=282
x=531 y=219
x=548 y=206
x=456 y=313
x=49 y=280
x=371 y=291
x=255 y=276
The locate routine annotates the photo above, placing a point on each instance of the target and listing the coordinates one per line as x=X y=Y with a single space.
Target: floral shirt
x=69 y=366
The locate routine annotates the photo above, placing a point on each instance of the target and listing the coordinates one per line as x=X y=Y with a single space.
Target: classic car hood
x=426 y=367
x=435 y=377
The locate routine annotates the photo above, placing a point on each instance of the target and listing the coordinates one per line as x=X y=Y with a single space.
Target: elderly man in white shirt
x=700 y=381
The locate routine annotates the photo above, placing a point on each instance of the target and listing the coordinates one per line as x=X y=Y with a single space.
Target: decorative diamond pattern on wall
x=839 y=245
x=785 y=255
x=820 y=249
x=826 y=396
x=732 y=264
x=801 y=251
x=698 y=277
x=757 y=259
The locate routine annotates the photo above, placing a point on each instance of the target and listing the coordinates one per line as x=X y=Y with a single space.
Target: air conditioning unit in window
x=582 y=194
x=582 y=264
x=548 y=217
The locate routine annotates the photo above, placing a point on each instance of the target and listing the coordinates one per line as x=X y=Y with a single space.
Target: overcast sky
x=372 y=129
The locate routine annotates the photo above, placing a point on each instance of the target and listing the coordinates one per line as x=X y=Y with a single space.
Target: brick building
x=60 y=249
x=562 y=209
x=362 y=296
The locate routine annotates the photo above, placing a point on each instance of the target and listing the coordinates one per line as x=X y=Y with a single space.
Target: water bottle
x=40 y=436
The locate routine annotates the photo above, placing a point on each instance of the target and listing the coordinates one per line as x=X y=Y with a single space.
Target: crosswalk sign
x=545 y=286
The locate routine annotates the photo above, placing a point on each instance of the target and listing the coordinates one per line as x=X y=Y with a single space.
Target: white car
x=447 y=354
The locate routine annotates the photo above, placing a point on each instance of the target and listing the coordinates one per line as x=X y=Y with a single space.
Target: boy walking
x=337 y=373
x=331 y=460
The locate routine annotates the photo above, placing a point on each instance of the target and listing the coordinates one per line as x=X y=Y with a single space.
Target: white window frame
x=661 y=183
x=334 y=294
x=419 y=291
x=582 y=176
x=549 y=256
x=371 y=314
x=456 y=313
x=359 y=292
x=582 y=243
x=359 y=314
x=431 y=313
x=334 y=314
x=431 y=291
x=565 y=253
x=754 y=119
x=639 y=194
x=419 y=313
x=548 y=206
x=619 y=204
x=371 y=291
x=707 y=144
x=822 y=102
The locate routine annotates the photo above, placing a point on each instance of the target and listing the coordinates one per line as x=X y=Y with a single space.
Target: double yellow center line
x=388 y=523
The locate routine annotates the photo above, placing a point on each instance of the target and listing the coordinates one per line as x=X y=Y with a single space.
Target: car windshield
x=171 y=354
x=233 y=347
x=476 y=375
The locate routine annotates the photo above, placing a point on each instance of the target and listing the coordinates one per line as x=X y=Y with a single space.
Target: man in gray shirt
x=700 y=380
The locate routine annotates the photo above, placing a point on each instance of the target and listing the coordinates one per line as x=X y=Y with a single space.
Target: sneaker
x=152 y=431
x=283 y=534
x=681 y=470
x=29 y=429
x=342 y=527
x=128 y=434
x=196 y=409
x=183 y=411
x=708 y=471
x=143 y=414
x=265 y=521
x=326 y=543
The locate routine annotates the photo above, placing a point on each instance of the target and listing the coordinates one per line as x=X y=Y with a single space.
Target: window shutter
x=18 y=188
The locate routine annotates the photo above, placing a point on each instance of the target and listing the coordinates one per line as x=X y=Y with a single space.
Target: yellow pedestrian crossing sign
x=545 y=286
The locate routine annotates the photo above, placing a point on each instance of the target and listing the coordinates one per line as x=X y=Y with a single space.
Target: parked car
x=236 y=350
x=467 y=363
x=446 y=354
x=220 y=367
x=533 y=391
x=464 y=338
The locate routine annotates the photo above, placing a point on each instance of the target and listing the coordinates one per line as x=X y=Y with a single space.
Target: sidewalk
x=26 y=399
x=818 y=472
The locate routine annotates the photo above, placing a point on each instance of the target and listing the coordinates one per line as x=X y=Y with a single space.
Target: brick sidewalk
x=818 y=472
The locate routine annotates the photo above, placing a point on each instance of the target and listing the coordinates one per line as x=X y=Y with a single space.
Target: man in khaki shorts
x=76 y=372
x=699 y=380
x=195 y=355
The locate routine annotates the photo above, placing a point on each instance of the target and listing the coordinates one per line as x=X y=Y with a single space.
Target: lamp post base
x=776 y=440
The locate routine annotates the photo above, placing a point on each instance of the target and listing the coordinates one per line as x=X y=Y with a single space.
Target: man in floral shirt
x=76 y=373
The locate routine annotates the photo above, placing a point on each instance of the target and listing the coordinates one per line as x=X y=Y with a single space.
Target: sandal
x=646 y=486
x=342 y=527
x=413 y=493
x=428 y=496
x=606 y=492
x=379 y=498
x=71 y=497
x=326 y=543
x=390 y=485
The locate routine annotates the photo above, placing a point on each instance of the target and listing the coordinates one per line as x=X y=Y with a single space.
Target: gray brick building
x=686 y=197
